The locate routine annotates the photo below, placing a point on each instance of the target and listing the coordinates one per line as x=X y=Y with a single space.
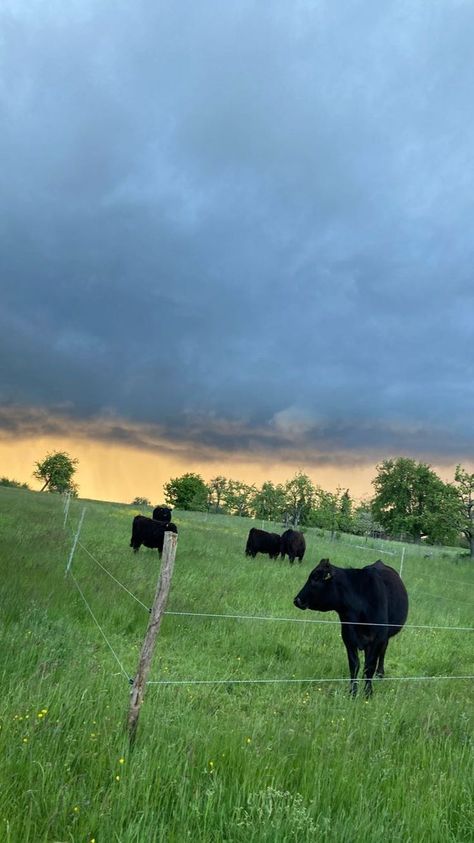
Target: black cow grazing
x=162 y=514
x=259 y=541
x=150 y=533
x=293 y=545
x=372 y=604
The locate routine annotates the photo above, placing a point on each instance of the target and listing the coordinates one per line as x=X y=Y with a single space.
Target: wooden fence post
x=157 y=610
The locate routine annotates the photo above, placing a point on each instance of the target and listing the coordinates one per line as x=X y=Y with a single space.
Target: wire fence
x=320 y=681
x=236 y=616
x=321 y=621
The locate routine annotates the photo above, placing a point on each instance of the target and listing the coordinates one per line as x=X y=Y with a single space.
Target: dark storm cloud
x=241 y=226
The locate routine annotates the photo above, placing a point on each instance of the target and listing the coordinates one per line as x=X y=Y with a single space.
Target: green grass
x=236 y=763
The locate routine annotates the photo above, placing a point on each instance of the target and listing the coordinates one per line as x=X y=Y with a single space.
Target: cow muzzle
x=299 y=603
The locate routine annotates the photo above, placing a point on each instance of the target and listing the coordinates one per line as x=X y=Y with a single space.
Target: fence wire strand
x=112 y=576
x=318 y=621
x=295 y=681
x=100 y=628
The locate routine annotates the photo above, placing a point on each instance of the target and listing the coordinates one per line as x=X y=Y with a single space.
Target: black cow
x=293 y=545
x=150 y=533
x=162 y=514
x=372 y=604
x=259 y=541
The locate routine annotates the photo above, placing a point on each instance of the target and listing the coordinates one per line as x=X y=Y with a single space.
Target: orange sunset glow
x=119 y=473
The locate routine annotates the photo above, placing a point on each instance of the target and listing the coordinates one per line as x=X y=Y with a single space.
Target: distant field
x=212 y=763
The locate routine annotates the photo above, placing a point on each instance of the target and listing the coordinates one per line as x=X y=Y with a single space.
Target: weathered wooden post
x=157 y=610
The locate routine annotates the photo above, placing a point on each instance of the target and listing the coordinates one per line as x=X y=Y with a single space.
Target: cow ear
x=326 y=566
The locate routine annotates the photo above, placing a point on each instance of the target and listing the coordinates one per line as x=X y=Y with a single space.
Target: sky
x=236 y=238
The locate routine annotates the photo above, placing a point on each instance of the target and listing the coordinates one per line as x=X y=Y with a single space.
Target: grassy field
x=237 y=763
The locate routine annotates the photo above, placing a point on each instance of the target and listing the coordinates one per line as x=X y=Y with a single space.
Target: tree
x=364 y=523
x=138 y=501
x=187 y=492
x=344 y=517
x=217 y=488
x=238 y=497
x=269 y=502
x=411 y=498
x=465 y=492
x=324 y=513
x=56 y=471
x=299 y=499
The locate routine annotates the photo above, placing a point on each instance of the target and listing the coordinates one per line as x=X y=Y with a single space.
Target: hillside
x=231 y=762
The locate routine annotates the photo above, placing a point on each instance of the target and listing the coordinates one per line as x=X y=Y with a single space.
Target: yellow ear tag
x=328 y=576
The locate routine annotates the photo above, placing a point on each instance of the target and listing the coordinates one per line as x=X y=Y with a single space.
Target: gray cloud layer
x=243 y=225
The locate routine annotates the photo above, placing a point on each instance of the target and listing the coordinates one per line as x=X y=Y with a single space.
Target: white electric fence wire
x=377 y=549
x=112 y=576
x=100 y=628
x=294 y=681
x=257 y=618
x=315 y=620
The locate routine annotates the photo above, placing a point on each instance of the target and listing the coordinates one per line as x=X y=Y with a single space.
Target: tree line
x=411 y=502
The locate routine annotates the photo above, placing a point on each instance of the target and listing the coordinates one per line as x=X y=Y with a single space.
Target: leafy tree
x=324 y=513
x=14 y=484
x=344 y=517
x=187 y=492
x=239 y=497
x=269 y=502
x=465 y=491
x=217 y=489
x=56 y=471
x=364 y=523
x=411 y=498
x=138 y=501
x=300 y=494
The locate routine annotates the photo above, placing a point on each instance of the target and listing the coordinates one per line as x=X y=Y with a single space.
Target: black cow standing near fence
x=259 y=541
x=162 y=514
x=372 y=604
x=150 y=533
x=293 y=545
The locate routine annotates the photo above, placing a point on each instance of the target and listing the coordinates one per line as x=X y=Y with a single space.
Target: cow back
x=397 y=596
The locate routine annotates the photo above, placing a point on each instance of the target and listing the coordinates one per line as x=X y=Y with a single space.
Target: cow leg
x=352 y=657
x=380 y=670
x=292 y=559
x=372 y=653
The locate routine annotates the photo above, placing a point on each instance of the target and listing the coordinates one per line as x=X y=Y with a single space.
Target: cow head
x=318 y=592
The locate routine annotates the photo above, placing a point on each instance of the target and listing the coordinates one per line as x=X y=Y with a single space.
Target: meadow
x=262 y=763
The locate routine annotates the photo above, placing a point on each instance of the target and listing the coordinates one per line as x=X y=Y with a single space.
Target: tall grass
x=237 y=763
